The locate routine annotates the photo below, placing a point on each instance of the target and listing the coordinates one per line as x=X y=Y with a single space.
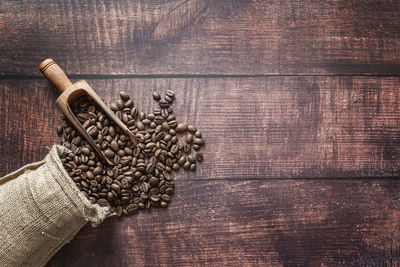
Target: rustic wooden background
x=299 y=102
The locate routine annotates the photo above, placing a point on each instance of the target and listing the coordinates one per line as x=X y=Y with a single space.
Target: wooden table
x=298 y=102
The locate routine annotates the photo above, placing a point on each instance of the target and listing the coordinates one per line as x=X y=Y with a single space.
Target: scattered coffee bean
x=169 y=99
x=170 y=93
x=199 y=156
x=191 y=159
x=192 y=128
x=163 y=103
x=198 y=141
x=198 y=134
x=193 y=167
x=156 y=96
x=189 y=138
x=181 y=127
x=186 y=166
x=124 y=96
x=128 y=104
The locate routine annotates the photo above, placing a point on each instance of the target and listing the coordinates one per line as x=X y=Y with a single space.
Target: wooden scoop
x=69 y=92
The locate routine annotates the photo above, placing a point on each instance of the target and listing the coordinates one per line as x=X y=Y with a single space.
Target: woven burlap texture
x=41 y=210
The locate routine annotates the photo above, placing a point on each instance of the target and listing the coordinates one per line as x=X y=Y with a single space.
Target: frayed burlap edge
x=92 y=213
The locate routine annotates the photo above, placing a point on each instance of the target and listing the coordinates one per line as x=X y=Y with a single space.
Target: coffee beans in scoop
x=142 y=175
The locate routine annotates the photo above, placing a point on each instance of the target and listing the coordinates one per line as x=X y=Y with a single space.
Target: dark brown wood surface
x=210 y=37
x=299 y=103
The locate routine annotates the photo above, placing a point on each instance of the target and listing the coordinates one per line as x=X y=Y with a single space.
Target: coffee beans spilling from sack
x=141 y=177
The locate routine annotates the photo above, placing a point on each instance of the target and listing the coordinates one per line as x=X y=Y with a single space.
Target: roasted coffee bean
x=169 y=99
x=131 y=208
x=199 y=141
x=167 y=176
x=181 y=127
x=153 y=181
x=156 y=111
x=196 y=147
x=109 y=153
x=146 y=122
x=158 y=119
x=134 y=112
x=128 y=104
x=165 y=197
x=155 y=198
x=169 y=191
x=163 y=103
x=164 y=113
x=189 y=138
x=187 y=148
x=86 y=151
x=186 y=166
x=165 y=126
x=199 y=156
x=142 y=116
x=140 y=126
x=124 y=96
x=92 y=130
x=102 y=202
x=116 y=188
x=193 y=167
x=182 y=160
x=175 y=166
x=114 y=146
x=97 y=170
x=198 y=134
x=110 y=196
x=192 y=128
x=111 y=131
x=120 y=104
x=172 y=124
x=84 y=184
x=170 y=93
x=174 y=149
x=150 y=167
x=114 y=107
x=156 y=96
x=124 y=160
x=124 y=118
x=89 y=175
x=191 y=159
x=171 y=117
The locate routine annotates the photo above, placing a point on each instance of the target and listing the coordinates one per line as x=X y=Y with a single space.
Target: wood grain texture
x=219 y=37
x=252 y=223
x=255 y=128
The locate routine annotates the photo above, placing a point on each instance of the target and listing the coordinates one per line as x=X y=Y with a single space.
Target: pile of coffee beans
x=141 y=176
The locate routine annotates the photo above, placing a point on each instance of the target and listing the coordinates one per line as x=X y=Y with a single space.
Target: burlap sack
x=41 y=210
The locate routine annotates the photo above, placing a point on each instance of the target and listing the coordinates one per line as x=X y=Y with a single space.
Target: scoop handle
x=55 y=75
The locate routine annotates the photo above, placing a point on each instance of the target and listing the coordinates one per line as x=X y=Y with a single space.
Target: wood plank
x=202 y=37
x=257 y=128
x=252 y=223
